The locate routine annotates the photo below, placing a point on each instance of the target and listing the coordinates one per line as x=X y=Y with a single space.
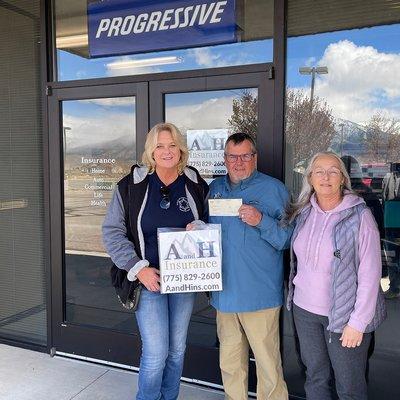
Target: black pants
x=330 y=362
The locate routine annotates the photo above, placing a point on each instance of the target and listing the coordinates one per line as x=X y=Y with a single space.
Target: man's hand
x=351 y=337
x=249 y=215
x=150 y=277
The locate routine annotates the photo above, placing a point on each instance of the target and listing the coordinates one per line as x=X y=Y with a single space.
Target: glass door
x=207 y=110
x=95 y=134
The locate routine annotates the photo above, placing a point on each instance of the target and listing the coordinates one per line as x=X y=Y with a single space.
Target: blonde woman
x=164 y=192
x=334 y=282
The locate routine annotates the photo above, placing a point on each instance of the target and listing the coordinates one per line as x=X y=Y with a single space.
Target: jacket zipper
x=334 y=289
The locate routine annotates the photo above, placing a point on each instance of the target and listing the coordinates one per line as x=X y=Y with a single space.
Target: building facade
x=83 y=81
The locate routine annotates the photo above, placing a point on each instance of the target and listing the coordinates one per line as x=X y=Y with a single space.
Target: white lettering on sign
x=140 y=23
x=162 y=20
x=166 y=18
x=103 y=26
x=177 y=18
x=85 y=160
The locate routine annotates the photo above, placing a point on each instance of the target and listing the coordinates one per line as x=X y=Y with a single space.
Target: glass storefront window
x=343 y=95
x=253 y=44
x=99 y=147
x=206 y=138
x=23 y=308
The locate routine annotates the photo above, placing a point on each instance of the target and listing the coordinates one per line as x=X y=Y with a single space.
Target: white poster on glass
x=206 y=150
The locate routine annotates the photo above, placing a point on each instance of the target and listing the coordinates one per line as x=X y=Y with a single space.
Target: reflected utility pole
x=65 y=130
x=312 y=71
x=341 y=138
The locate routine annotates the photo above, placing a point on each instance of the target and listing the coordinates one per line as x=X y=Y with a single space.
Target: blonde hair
x=151 y=144
x=307 y=190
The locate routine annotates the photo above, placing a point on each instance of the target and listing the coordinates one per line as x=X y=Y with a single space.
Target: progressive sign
x=118 y=27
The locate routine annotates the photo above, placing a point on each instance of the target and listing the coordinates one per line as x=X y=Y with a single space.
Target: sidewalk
x=29 y=375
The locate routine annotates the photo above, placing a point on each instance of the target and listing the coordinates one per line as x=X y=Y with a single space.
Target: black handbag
x=128 y=292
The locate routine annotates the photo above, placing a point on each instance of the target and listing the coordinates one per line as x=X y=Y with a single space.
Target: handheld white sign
x=190 y=261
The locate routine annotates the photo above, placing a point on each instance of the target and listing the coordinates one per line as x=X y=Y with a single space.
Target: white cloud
x=210 y=114
x=112 y=101
x=207 y=58
x=310 y=61
x=360 y=82
x=96 y=130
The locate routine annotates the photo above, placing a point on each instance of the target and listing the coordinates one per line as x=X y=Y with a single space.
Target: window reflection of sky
x=179 y=99
x=96 y=121
x=75 y=67
x=362 y=65
x=98 y=107
x=202 y=110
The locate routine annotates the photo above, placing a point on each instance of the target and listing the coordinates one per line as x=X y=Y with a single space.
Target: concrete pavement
x=30 y=375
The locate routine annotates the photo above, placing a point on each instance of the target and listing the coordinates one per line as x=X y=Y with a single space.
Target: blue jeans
x=163 y=321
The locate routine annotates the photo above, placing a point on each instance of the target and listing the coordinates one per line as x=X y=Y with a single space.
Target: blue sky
x=300 y=49
x=85 y=108
x=72 y=67
x=385 y=39
x=346 y=87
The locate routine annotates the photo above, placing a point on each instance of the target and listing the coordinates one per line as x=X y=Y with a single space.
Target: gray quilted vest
x=345 y=268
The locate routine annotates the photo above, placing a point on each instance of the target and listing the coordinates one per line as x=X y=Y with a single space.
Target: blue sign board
x=119 y=27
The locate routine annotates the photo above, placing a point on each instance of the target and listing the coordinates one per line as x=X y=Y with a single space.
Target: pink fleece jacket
x=314 y=251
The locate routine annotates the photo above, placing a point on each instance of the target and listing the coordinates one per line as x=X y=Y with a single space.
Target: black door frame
x=149 y=91
x=259 y=80
x=62 y=332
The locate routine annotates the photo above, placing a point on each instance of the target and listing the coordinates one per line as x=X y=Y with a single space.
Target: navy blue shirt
x=178 y=215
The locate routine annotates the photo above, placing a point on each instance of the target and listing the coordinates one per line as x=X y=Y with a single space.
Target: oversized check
x=224 y=207
x=190 y=261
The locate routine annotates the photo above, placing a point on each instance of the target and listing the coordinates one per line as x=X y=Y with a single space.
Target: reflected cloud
x=86 y=131
x=310 y=61
x=360 y=81
x=207 y=58
x=112 y=102
x=210 y=114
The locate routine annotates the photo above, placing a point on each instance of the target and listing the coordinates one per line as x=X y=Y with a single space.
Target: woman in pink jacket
x=334 y=281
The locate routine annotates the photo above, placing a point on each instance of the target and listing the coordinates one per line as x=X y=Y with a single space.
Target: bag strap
x=127 y=193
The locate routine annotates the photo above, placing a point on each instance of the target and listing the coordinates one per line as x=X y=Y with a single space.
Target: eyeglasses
x=331 y=172
x=231 y=158
x=165 y=201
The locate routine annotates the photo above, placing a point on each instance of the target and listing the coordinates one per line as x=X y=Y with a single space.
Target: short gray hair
x=240 y=137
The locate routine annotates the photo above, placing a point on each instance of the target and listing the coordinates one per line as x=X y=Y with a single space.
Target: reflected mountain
x=350 y=138
x=120 y=148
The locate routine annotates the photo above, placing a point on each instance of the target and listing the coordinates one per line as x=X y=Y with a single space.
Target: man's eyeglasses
x=331 y=172
x=231 y=158
x=165 y=201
